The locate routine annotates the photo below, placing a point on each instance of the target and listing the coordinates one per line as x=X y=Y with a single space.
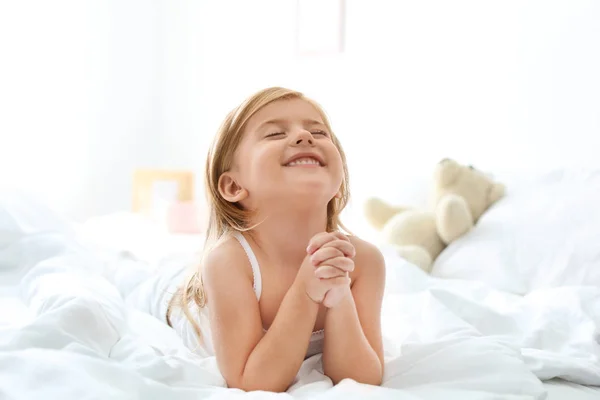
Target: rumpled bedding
x=84 y=328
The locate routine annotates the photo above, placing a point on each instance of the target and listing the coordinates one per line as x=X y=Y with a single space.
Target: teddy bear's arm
x=378 y=212
x=453 y=218
x=416 y=255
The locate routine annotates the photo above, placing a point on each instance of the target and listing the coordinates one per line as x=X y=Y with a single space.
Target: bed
x=510 y=311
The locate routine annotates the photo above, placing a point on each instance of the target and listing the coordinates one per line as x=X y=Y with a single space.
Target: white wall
x=81 y=99
x=43 y=98
x=509 y=85
x=125 y=66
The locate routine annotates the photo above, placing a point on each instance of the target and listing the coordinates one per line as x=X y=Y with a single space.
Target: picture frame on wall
x=167 y=196
x=151 y=186
x=320 y=27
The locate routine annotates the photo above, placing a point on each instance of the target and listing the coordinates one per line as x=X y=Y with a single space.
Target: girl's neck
x=283 y=235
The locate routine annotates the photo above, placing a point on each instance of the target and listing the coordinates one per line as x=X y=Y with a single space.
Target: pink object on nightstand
x=186 y=217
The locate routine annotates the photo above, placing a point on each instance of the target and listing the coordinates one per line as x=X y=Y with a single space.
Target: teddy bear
x=460 y=195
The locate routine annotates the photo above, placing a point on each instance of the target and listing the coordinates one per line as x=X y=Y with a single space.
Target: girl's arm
x=353 y=345
x=249 y=358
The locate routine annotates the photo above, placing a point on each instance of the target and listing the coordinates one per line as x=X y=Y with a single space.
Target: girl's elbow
x=372 y=375
x=374 y=378
x=365 y=380
x=254 y=384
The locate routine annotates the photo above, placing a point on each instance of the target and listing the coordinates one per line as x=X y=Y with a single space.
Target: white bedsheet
x=562 y=390
x=68 y=331
x=444 y=339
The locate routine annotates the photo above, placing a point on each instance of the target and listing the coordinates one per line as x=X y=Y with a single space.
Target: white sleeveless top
x=185 y=331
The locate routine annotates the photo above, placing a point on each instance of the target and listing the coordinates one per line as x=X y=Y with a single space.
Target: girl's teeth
x=303 y=161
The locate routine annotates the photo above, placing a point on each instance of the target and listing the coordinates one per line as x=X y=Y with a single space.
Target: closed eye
x=275 y=134
x=320 y=133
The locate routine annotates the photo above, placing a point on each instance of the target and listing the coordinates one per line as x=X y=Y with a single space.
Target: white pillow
x=22 y=214
x=29 y=232
x=544 y=233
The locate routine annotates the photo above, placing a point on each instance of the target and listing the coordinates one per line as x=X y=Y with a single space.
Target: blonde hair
x=226 y=217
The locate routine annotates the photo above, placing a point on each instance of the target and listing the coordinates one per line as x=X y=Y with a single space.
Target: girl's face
x=287 y=154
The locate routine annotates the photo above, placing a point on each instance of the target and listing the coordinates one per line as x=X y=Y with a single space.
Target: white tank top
x=184 y=329
x=315 y=345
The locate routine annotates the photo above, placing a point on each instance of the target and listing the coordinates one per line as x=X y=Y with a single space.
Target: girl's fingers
x=321 y=238
x=327 y=272
x=343 y=263
x=325 y=253
x=336 y=282
x=342 y=245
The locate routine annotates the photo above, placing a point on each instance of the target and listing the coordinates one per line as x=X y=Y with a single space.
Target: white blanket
x=444 y=339
x=67 y=330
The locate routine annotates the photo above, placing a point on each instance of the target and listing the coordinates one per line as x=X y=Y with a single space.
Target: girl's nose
x=303 y=138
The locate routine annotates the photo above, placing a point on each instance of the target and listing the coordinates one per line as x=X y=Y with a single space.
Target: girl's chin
x=309 y=187
x=303 y=192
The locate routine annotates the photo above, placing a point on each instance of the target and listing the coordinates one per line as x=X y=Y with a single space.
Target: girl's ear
x=338 y=195
x=230 y=189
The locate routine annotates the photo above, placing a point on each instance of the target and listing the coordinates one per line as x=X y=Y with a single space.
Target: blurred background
x=90 y=91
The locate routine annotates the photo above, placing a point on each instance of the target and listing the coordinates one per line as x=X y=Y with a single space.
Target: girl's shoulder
x=225 y=258
x=363 y=248
x=367 y=255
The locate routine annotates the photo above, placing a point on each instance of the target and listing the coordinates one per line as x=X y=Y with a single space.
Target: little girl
x=279 y=282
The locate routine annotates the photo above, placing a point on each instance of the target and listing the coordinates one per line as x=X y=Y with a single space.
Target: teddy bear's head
x=479 y=190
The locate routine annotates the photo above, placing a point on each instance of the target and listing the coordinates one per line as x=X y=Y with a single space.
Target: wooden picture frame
x=145 y=181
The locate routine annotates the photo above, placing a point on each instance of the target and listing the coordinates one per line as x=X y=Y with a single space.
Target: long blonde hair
x=226 y=217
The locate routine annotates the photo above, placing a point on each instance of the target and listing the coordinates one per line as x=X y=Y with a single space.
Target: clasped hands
x=326 y=268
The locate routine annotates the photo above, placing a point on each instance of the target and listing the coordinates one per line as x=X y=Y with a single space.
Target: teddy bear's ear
x=497 y=191
x=446 y=172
